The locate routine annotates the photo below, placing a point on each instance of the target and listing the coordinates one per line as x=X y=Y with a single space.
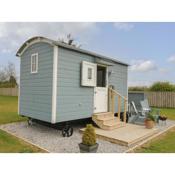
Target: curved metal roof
x=60 y=44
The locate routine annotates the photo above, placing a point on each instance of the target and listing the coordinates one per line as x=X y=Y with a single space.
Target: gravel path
x=52 y=140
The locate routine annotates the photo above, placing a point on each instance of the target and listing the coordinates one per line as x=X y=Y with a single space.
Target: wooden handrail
x=117 y=93
x=112 y=94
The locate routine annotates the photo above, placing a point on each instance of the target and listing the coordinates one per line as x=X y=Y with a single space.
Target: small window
x=89 y=73
x=34 y=63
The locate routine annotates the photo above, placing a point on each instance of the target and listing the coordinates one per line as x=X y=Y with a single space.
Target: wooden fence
x=9 y=91
x=157 y=99
x=161 y=99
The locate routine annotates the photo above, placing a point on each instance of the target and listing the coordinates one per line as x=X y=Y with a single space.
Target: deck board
x=128 y=135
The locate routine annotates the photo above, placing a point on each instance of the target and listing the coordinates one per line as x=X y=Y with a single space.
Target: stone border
x=149 y=139
x=25 y=140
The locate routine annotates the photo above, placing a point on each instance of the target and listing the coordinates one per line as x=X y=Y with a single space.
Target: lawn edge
x=1 y=124
x=131 y=150
x=25 y=140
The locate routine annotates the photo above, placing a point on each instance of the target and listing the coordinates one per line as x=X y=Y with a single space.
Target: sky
x=149 y=48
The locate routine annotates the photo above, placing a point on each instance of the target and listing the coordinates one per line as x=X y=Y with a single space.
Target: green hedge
x=157 y=86
x=7 y=85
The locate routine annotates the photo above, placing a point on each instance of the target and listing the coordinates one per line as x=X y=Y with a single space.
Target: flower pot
x=88 y=149
x=149 y=124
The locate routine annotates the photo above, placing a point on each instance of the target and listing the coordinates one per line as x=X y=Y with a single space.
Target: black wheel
x=67 y=131
x=30 y=122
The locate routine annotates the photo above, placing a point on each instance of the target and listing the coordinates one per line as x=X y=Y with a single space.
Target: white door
x=101 y=90
x=100 y=99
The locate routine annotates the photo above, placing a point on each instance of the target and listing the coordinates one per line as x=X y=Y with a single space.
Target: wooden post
x=109 y=100
x=125 y=108
x=113 y=102
x=119 y=107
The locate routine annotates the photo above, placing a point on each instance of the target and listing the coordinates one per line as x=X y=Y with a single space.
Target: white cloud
x=171 y=59
x=12 y=35
x=143 y=66
x=123 y=26
x=164 y=70
x=132 y=83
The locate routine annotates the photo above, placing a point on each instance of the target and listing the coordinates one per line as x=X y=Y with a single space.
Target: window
x=34 y=63
x=88 y=75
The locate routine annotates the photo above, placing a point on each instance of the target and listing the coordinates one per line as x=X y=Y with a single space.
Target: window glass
x=101 y=76
x=89 y=73
x=34 y=63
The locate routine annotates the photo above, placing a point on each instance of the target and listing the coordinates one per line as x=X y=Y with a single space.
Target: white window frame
x=36 y=55
x=84 y=74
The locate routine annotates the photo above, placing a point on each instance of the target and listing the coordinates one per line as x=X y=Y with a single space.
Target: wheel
x=30 y=122
x=67 y=131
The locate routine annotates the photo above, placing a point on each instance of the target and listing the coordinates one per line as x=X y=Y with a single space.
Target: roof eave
x=52 y=42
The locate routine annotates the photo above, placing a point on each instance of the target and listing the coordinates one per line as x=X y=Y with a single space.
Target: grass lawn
x=8 y=110
x=11 y=144
x=8 y=114
x=162 y=144
x=169 y=112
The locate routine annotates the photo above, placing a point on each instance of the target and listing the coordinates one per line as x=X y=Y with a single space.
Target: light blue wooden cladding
x=73 y=100
x=36 y=89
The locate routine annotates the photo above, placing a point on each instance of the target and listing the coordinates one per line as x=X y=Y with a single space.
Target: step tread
x=112 y=122
x=105 y=118
x=102 y=113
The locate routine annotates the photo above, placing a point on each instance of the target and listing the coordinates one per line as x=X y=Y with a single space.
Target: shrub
x=162 y=86
x=89 y=135
x=150 y=117
x=7 y=84
x=138 y=88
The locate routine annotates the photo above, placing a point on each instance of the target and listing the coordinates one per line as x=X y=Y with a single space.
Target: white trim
x=19 y=88
x=54 y=84
x=38 y=40
x=34 y=72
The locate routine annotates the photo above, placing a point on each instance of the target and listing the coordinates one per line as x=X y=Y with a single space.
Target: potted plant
x=149 y=121
x=88 y=144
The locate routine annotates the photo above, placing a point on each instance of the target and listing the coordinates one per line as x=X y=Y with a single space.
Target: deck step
x=103 y=116
x=111 y=122
x=107 y=121
x=112 y=126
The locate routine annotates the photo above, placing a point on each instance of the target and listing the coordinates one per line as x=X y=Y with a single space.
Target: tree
x=2 y=75
x=8 y=76
x=162 y=86
x=10 y=70
x=12 y=80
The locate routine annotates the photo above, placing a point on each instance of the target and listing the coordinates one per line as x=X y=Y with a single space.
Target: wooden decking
x=129 y=135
